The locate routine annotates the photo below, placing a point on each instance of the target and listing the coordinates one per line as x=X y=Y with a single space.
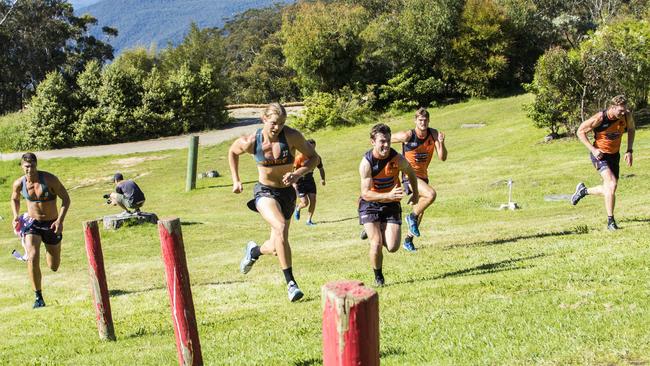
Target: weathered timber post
x=192 y=156
x=188 y=346
x=98 y=281
x=350 y=324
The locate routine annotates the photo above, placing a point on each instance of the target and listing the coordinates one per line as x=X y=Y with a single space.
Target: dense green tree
x=51 y=118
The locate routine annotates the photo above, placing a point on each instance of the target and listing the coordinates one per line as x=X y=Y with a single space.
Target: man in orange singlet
x=608 y=126
x=306 y=187
x=380 y=211
x=418 y=147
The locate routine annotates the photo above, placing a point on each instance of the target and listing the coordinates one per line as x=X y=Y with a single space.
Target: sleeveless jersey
x=419 y=152
x=45 y=194
x=385 y=172
x=285 y=153
x=607 y=136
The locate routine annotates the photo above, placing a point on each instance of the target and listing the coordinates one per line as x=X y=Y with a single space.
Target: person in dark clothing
x=127 y=195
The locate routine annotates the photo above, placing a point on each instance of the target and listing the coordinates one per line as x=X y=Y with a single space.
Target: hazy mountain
x=77 y=4
x=147 y=22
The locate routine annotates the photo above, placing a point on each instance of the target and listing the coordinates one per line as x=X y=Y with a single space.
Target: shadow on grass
x=229 y=185
x=217 y=283
x=118 y=292
x=309 y=362
x=391 y=351
x=517 y=238
x=636 y=219
x=502 y=266
x=190 y=223
x=337 y=220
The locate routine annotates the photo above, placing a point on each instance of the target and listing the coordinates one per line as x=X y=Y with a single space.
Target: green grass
x=543 y=285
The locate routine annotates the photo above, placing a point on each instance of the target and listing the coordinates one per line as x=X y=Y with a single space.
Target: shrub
x=344 y=108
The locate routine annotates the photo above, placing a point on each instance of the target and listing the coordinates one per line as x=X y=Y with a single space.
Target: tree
x=51 y=118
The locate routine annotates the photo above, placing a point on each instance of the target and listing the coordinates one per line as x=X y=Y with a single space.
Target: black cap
x=118 y=177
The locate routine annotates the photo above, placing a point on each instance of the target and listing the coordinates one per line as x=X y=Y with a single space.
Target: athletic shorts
x=286 y=197
x=42 y=229
x=306 y=185
x=128 y=203
x=610 y=161
x=384 y=212
x=407 y=187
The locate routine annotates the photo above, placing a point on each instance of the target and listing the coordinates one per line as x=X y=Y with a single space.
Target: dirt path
x=248 y=120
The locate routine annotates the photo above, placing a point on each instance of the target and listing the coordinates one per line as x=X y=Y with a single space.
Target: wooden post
x=188 y=346
x=192 y=156
x=350 y=324
x=98 y=281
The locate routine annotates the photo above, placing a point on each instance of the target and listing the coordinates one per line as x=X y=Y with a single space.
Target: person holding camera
x=127 y=195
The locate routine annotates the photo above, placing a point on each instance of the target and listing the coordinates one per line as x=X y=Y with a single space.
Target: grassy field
x=547 y=284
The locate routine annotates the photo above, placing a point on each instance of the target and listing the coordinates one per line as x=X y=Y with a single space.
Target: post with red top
x=98 y=281
x=350 y=324
x=180 y=294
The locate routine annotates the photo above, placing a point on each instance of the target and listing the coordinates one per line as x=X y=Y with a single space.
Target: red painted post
x=98 y=281
x=188 y=346
x=350 y=324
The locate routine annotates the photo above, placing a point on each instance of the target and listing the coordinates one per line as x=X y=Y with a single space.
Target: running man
x=380 y=211
x=418 y=147
x=40 y=189
x=306 y=187
x=274 y=147
x=608 y=126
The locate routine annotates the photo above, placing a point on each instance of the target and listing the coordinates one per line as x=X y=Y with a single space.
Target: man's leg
x=116 y=198
x=312 y=207
x=608 y=191
x=427 y=197
x=376 y=239
x=302 y=203
x=33 y=246
x=53 y=256
x=278 y=243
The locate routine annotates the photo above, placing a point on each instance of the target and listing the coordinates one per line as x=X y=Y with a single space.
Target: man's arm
x=400 y=137
x=321 y=170
x=60 y=191
x=241 y=145
x=441 y=149
x=297 y=140
x=587 y=126
x=406 y=168
x=365 y=171
x=630 y=137
x=15 y=200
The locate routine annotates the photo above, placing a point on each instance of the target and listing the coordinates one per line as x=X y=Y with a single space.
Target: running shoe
x=363 y=235
x=296 y=214
x=310 y=223
x=294 y=292
x=408 y=244
x=581 y=191
x=379 y=281
x=412 y=221
x=611 y=226
x=38 y=303
x=247 y=262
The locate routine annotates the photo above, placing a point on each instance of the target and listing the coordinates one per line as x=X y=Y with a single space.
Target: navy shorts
x=42 y=229
x=286 y=197
x=610 y=161
x=306 y=185
x=383 y=212
x=407 y=187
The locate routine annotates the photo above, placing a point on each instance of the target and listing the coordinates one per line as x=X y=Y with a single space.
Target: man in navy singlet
x=380 y=211
x=40 y=189
x=274 y=147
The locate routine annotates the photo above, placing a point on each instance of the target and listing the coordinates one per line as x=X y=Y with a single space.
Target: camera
x=107 y=197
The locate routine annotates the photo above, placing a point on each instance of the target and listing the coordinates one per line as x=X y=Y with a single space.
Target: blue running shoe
x=412 y=221
x=408 y=244
x=296 y=214
x=294 y=292
x=247 y=262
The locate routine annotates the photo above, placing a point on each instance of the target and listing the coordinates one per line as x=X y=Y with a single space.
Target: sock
x=378 y=274
x=610 y=219
x=288 y=275
x=256 y=252
x=409 y=237
x=39 y=294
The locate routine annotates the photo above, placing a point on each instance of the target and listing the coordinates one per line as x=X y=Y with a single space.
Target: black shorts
x=407 y=187
x=42 y=229
x=610 y=161
x=384 y=212
x=306 y=185
x=286 y=197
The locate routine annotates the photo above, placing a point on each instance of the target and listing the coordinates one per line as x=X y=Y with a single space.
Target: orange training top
x=419 y=152
x=607 y=136
x=385 y=172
